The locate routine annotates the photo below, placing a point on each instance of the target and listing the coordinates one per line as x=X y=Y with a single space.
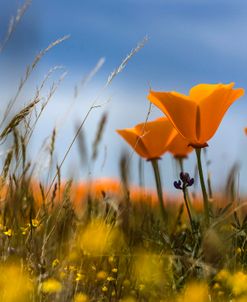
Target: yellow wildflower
x=216 y=286
x=111 y=259
x=79 y=277
x=238 y=282
x=51 y=286
x=9 y=233
x=14 y=284
x=55 y=263
x=80 y=297
x=35 y=223
x=24 y=230
x=101 y=275
x=238 y=251
x=223 y=276
x=99 y=238
x=195 y=292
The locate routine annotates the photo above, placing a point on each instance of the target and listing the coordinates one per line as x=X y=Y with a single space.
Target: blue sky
x=189 y=42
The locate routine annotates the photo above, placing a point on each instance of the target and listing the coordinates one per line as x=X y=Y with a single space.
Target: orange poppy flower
x=197 y=116
x=179 y=147
x=151 y=139
x=245 y=130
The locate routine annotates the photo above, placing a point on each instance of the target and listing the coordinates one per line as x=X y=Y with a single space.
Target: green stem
x=159 y=187
x=181 y=164
x=204 y=191
x=186 y=193
x=188 y=209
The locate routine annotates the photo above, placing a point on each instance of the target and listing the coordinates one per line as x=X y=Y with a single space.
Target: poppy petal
x=213 y=108
x=132 y=138
x=179 y=146
x=179 y=108
x=201 y=91
x=156 y=135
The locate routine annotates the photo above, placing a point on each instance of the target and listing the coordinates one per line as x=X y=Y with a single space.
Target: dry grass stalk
x=13 y=22
x=99 y=134
x=18 y=118
x=52 y=144
x=121 y=67
x=89 y=77
x=52 y=91
x=6 y=165
x=82 y=147
x=28 y=72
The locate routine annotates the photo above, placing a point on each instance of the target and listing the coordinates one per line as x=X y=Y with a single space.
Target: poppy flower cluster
x=195 y=117
x=191 y=121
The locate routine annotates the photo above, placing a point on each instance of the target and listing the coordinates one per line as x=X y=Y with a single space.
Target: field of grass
x=107 y=240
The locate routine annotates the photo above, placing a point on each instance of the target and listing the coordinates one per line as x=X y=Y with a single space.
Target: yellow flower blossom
x=35 y=223
x=238 y=251
x=99 y=238
x=216 y=286
x=79 y=277
x=195 y=292
x=223 y=276
x=238 y=283
x=81 y=297
x=101 y=275
x=14 y=284
x=9 y=233
x=51 y=286
x=104 y=289
x=111 y=259
x=55 y=263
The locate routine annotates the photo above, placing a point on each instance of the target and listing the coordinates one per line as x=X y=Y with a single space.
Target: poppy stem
x=185 y=192
x=181 y=164
x=204 y=191
x=159 y=187
x=186 y=195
